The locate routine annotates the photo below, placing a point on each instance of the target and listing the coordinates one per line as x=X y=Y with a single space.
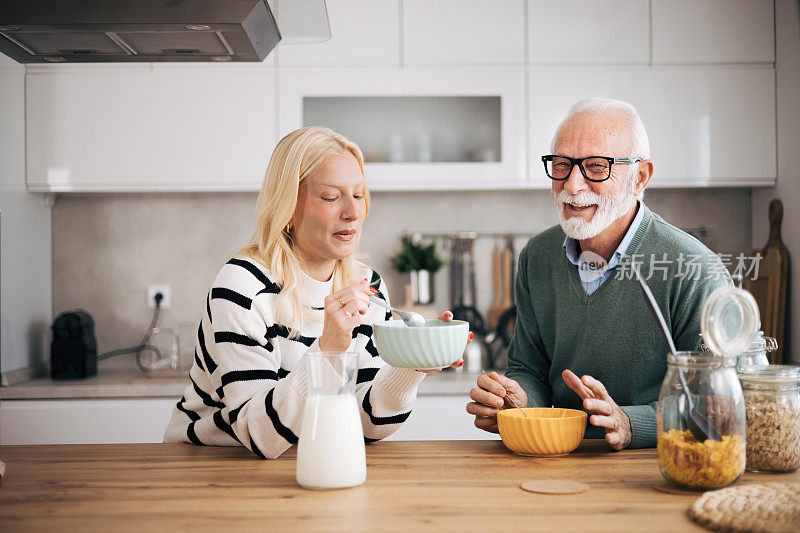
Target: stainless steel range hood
x=102 y=31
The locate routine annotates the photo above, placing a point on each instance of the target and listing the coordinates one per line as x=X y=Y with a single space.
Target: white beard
x=609 y=209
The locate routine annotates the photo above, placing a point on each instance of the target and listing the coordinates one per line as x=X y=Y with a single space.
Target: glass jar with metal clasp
x=772 y=409
x=701 y=389
x=714 y=392
x=756 y=355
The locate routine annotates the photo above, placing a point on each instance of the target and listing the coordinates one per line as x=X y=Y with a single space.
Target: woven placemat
x=764 y=507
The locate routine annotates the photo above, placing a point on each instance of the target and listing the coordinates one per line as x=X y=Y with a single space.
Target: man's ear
x=643 y=176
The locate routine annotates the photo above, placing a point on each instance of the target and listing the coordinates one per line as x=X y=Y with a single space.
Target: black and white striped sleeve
x=385 y=394
x=262 y=401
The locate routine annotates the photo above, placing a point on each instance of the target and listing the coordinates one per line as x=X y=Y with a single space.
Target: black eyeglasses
x=595 y=168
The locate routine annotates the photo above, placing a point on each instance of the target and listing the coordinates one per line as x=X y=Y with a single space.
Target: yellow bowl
x=544 y=432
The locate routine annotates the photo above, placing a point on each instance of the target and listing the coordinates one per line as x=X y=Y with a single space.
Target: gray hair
x=641 y=144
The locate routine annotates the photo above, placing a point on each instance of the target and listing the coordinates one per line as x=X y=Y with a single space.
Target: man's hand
x=493 y=393
x=604 y=411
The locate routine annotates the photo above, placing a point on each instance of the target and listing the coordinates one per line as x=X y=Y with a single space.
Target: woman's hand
x=343 y=312
x=447 y=316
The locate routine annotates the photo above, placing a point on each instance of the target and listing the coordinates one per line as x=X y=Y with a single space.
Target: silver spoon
x=699 y=425
x=507 y=397
x=410 y=318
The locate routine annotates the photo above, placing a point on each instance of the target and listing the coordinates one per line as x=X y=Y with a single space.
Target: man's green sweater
x=610 y=334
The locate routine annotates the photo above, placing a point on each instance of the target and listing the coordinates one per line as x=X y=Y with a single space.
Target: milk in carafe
x=330 y=454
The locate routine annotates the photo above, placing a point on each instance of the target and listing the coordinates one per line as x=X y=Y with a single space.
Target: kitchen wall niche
x=417 y=129
x=420 y=129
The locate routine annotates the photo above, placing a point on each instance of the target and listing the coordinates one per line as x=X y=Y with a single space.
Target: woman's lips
x=345 y=236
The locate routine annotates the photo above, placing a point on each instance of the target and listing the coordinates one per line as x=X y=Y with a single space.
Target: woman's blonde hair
x=293 y=159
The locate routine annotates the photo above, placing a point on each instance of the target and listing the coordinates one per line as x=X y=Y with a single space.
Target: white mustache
x=584 y=198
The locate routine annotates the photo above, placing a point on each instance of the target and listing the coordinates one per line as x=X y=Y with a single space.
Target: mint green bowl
x=436 y=345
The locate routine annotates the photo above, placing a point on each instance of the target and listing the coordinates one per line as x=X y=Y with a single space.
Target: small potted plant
x=421 y=262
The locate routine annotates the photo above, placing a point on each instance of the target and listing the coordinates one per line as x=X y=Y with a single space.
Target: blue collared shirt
x=591 y=277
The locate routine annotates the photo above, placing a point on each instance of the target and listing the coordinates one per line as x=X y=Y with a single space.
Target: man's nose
x=575 y=182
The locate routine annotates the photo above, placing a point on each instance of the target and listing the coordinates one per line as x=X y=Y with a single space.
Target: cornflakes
x=707 y=464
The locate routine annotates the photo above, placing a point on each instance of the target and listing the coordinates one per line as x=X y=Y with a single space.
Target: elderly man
x=580 y=311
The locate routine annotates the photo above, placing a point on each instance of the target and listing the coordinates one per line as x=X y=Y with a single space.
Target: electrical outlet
x=166 y=292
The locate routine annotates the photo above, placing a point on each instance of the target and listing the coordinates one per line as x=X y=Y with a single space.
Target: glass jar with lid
x=715 y=393
x=729 y=321
x=772 y=408
x=756 y=355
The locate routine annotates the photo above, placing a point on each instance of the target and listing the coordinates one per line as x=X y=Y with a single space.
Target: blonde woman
x=296 y=287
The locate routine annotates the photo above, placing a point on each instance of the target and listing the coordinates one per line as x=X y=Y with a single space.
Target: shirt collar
x=570 y=245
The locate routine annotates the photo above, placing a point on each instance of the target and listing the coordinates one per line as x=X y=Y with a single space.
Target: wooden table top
x=411 y=486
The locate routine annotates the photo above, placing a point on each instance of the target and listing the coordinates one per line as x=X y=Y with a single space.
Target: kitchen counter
x=135 y=384
x=411 y=486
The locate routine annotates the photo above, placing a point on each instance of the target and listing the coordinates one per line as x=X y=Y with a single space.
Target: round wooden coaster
x=763 y=508
x=554 y=486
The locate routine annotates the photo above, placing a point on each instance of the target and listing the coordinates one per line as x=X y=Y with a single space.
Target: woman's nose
x=350 y=210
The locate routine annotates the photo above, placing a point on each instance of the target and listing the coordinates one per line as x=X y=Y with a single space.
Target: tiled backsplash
x=108 y=248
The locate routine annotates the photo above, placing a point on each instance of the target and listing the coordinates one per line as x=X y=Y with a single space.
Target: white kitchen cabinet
x=708 y=125
x=363 y=32
x=441 y=418
x=106 y=421
x=147 y=127
x=127 y=420
x=707 y=31
x=493 y=171
x=588 y=31
x=212 y=127
x=463 y=32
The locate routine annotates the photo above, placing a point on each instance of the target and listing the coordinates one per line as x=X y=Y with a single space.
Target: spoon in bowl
x=700 y=426
x=410 y=318
x=507 y=397
x=521 y=410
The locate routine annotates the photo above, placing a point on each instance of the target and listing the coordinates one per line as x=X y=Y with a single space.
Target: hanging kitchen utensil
x=497 y=297
x=498 y=340
x=511 y=265
x=507 y=278
x=769 y=284
x=455 y=266
x=473 y=289
x=462 y=311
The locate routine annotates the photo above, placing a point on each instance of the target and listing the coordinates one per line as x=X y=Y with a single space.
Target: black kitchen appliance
x=73 y=350
x=129 y=31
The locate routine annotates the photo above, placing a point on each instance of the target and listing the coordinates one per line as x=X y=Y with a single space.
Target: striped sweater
x=248 y=381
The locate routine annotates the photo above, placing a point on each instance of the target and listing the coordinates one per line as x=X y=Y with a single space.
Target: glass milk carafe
x=330 y=454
